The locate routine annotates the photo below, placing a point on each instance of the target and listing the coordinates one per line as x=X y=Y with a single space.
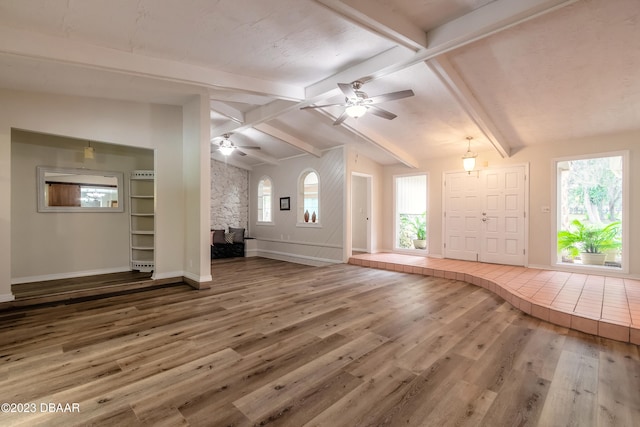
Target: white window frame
x=259 y=220
x=419 y=252
x=555 y=210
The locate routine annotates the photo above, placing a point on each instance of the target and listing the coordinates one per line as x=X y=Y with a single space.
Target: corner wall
x=287 y=240
x=152 y=126
x=229 y=196
x=196 y=178
x=50 y=245
x=357 y=163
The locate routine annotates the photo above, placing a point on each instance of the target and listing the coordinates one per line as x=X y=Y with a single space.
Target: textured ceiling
x=428 y=14
x=508 y=73
x=573 y=74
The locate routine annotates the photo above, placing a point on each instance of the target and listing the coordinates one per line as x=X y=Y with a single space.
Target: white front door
x=462 y=216
x=503 y=216
x=485 y=215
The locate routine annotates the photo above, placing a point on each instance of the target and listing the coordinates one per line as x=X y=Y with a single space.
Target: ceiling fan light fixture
x=226 y=146
x=469 y=158
x=226 y=149
x=356 y=110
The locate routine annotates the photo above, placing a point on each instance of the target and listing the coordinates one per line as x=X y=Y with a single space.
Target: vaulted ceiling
x=509 y=73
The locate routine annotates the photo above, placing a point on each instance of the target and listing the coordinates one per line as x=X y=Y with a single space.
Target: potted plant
x=419 y=226
x=589 y=241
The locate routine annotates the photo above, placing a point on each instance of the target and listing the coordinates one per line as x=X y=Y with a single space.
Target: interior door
x=485 y=216
x=360 y=213
x=462 y=216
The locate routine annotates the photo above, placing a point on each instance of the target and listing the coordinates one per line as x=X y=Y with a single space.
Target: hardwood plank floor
x=59 y=286
x=279 y=344
x=597 y=304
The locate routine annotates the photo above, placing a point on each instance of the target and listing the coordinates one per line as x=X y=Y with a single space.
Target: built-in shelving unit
x=142 y=219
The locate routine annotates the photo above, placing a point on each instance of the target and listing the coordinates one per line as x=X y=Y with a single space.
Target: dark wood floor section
x=279 y=344
x=87 y=287
x=48 y=287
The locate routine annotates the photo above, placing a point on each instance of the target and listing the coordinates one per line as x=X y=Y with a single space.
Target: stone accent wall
x=229 y=196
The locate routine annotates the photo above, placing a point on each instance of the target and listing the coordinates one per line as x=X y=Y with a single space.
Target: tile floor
x=598 y=305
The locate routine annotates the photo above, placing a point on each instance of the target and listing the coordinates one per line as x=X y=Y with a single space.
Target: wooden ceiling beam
x=380 y=19
x=288 y=138
x=227 y=111
x=258 y=115
x=456 y=85
x=63 y=50
x=482 y=22
x=378 y=140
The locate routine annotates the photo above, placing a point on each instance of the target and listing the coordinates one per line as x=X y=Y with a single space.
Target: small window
x=309 y=200
x=265 y=191
x=410 y=212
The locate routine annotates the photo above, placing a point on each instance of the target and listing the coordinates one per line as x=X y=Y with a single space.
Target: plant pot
x=611 y=255
x=592 y=259
x=419 y=244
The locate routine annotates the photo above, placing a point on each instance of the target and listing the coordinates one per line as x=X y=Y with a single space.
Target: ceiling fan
x=357 y=103
x=226 y=147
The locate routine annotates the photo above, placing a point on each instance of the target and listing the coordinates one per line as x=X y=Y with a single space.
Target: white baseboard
x=197 y=278
x=168 y=275
x=173 y=274
x=250 y=253
x=42 y=278
x=298 y=259
x=6 y=297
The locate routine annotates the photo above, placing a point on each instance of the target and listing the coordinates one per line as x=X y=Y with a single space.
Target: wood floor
x=596 y=303
x=279 y=344
x=80 y=287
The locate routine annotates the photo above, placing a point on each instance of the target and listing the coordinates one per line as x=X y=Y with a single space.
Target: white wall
x=359 y=212
x=539 y=158
x=288 y=240
x=157 y=127
x=229 y=196
x=52 y=244
x=196 y=178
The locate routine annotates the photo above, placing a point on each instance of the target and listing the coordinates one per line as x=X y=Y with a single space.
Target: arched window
x=309 y=197
x=265 y=191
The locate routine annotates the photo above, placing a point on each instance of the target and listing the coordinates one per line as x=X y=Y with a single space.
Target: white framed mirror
x=79 y=190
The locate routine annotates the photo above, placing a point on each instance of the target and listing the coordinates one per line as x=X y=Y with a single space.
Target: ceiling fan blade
x=381 y=113
x=320 y=106
x=347 y=90
x=239 y=152
x=341 y=119
x=247 y=147
x=391 y=96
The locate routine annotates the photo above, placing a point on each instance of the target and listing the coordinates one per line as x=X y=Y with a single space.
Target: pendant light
x=469 y=158
x=89 y=151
